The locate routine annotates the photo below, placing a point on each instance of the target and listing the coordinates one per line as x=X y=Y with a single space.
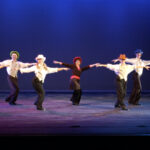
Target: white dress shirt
x=138 y=62
x=121 y=71
x=40 y=73
x=13 y=67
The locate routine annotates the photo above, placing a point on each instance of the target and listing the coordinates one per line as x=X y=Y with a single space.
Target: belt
x=75 y=77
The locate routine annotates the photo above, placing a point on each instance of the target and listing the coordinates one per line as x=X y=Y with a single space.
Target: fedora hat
x=40 y=56
x=15 y=52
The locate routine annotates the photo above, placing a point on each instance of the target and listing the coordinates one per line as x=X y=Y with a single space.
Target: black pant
x=38 y=86
x=13 y=83
x=76 y=96
x=121 y=91
x=136 y=91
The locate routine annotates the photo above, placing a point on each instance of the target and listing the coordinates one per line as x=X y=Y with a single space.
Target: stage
x=96 y=115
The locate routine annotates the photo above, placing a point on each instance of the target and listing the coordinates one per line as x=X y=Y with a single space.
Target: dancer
x=13 y=66
x=137 y=87
x=75 y=78
x=122 y=71
x=40 y=70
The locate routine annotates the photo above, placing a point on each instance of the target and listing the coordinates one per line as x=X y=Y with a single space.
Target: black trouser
x=136 y=91
x=121 y=91
x=13 y=83
x=38 y=86
x=76 y=97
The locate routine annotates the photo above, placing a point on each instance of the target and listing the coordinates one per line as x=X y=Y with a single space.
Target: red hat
x=77 y=58
x=122 y=57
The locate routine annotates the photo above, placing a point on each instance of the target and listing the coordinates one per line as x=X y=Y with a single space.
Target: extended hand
x=98 y=65
x=115 y=60
x=147 y=67
x=93 y=65
x=57 y=62
x=66 y=69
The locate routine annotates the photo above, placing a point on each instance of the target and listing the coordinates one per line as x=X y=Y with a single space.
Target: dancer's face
x=138 y=55
x=39 y=61
x=78 y=63
x=14 y=57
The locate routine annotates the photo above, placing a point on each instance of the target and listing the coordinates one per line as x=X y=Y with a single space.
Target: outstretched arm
x=57 y=62
x=64 y=64
x=146 y=67
x=54 y=70
x=3 y=66
x=109 y=66
x=128 y=60
x=115 y=60
x=88 y=67
x=65 y=69
x=146 y=62
x=25 y=65
x=101 y=65
x=28 y=70
x=93 y=65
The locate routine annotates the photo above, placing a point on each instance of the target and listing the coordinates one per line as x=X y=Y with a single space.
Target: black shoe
x=137 y=104
x=75 y=104
x=35 y=103
x=123 y=108
x=71 y=99
x=130 y=103
x=7 y=101
x=117 y=106
x=41 y=108
x=12 y=103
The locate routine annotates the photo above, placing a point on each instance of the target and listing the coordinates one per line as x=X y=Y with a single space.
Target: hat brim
x=44 y=59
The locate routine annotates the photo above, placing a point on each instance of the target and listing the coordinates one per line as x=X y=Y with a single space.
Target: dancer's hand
x=115 y=60
x=57 y=62
x=66 y=69
x=147 y=67
x=98 y=65
x=93 y=65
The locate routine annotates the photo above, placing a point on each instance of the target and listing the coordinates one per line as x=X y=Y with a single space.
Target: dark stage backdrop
x=96 y=30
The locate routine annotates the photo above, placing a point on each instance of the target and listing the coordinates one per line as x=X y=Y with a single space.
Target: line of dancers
x=122 y=70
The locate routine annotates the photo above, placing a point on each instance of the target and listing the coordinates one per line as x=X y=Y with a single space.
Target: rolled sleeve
x=111 y=67
x=5 y=63
x=52 y=70
x=28 y=70
x=23 y=65
x=131 y=60
x=146 y=63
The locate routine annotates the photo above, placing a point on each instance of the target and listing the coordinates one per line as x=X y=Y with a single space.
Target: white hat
x=40 y=57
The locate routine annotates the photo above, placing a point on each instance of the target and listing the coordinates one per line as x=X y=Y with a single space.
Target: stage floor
x=95 y=116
